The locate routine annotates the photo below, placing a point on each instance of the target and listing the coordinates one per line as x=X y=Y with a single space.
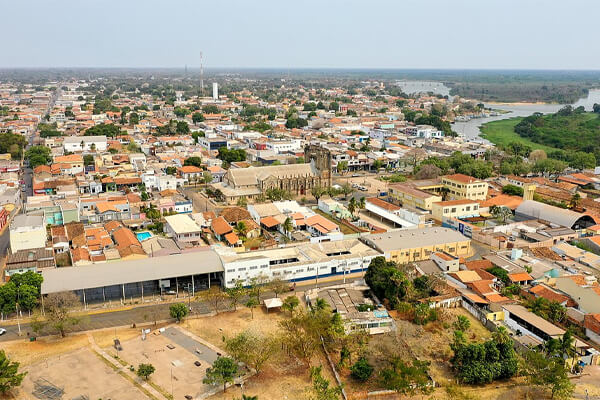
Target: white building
x=284 y=146
x=297 y=263
x=27 y=232
x=182 y=228
x=84 y=143
x=215 y=91
x=161 y=182
x=424 y=131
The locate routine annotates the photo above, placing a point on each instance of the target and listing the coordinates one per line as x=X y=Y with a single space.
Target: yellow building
x=404 y=246
x=461 y=186
x=408 y=195
x=455 y=209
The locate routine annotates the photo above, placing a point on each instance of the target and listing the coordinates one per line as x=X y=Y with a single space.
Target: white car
x=2 y=331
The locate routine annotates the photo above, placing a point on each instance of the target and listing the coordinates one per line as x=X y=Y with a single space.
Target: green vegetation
x=574 y=131
x=550 y=310
x=232 y=155
x=9 y=373
x=321 y=386
x=502 y=133
x=251 y=348
x=22 y=289
x=12 y=143
x=178 y=311
x=484 y=362
x=361 y=370
x=223 y=371
x=145 y=370
x=108 y=130
x=194 y=161
x=38 y=155
x=460 y=163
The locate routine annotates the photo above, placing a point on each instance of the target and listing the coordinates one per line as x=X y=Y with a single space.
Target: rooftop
x=414 y=238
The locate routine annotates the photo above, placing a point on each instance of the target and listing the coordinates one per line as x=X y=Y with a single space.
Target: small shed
x=275 y=302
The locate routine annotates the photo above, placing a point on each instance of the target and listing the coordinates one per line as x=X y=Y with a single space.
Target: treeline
x=516 y=91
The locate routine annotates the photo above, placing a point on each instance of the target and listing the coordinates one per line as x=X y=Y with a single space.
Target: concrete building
x=297 y=263
x=530 y=209
x=85 y=143
x=27 y=232
x=455 y=209
x=215 y=91
x=464 y=187
x=404 y=246
x=408 y=195
x=394 y=215
x=182 y=228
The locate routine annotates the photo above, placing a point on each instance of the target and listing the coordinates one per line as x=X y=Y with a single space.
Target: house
x=332 y=207
x=220 y=227
x=85 y=143
x=217 y=173
x=182 y=228
x=28 y=260
x=190 y=173
x=408 y=195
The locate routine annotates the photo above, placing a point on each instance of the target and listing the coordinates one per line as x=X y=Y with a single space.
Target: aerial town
x=339 y=237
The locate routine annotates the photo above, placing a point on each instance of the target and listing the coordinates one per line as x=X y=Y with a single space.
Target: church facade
x=298 y=179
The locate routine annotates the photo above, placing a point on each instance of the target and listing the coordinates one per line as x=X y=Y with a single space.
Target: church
x=297 y=179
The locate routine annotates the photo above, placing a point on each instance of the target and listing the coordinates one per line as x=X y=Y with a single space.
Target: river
x=470 y=129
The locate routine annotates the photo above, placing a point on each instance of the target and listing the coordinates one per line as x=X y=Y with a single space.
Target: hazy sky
x=548 y=34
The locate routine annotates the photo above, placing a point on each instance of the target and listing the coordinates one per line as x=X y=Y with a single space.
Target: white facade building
x=27 y=232
x=84 y=143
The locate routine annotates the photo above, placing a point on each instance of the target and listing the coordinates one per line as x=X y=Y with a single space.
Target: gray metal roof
x=413 y=238
x=546 y=212
x=121 y=272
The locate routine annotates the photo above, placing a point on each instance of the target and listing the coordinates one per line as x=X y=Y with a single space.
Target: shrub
x=361 y=370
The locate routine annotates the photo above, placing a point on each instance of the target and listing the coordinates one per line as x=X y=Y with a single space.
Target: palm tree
x=352 y=205
x=566 y=345
x=575 y=200
x=319 y=305
x=246 y=397
x=287 y=225
x=240 y=228
x=362 y=203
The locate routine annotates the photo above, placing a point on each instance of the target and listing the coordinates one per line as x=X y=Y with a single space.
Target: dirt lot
x=80 y=373
x=282 y=378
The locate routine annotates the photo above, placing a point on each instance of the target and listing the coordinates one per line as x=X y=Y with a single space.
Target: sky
x=402 y=34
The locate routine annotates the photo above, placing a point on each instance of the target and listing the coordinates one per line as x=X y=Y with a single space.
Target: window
x=253 y=267
x=468 y=208
x=231 y=270
x=242 y=269
x=453 y=209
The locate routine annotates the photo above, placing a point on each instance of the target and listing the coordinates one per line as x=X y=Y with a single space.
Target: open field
x=282 y=378
x=78 y=373
x=502 y=133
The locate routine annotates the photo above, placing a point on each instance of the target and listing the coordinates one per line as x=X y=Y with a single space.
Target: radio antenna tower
x=201 y=76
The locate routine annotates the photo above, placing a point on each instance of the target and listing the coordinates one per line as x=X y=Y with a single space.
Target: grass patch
x=502 y=132
x=160 y=390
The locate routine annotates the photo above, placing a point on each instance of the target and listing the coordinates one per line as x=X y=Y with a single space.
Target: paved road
x=206 y=354
x=143 y=314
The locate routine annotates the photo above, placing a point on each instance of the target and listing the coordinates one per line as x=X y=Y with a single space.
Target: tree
x=361 y=370
x=278 y=286
x=223 y=371
x=88 y=159
x=318 y=192
x=301 y=335
x=193 y=161
x=287 y=225
x=500 y=212
x=9 y=373
x=362 y=203
x=38 y=155
x=27 y=297
x=512 y=190
x=251 y=303
x=134 y=118
x=321 y=386
x=537 y=155
x=210 y=109
x=59 y=313
x=428 y=171
x=319 y=305
x=197 y=117
x=178 y=311
x=214 y=296
x=342 y=166
x=547 y=372
x=251 y=348
x=406 y=378
x=346 y=190
x=108 y=130
x=235 y=293
x=145 y=370
x=575 y=200
x=290 y=303
x=462 y=323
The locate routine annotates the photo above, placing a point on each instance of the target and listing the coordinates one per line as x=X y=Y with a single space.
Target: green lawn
x=502 y=133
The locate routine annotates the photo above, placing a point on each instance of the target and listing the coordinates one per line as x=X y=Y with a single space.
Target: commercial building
x=27 y=232
x=397 y=216
x=531 y=209
x=154 y=276
x=85 y=143
x=461 y=186
x=455 y=209
x=407 y=195
x=403 y=246
x=297 y=263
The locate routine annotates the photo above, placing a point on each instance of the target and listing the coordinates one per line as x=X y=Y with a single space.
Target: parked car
x=2 y=331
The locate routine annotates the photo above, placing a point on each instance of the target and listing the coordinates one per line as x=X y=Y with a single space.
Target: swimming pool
x=143 y=236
